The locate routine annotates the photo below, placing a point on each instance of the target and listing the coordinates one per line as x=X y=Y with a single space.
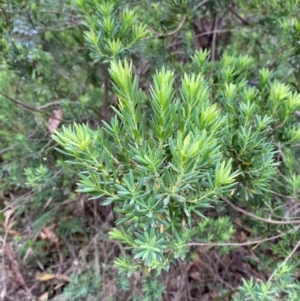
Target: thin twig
x=96 y=256
x=56 y=13
x=284 y=196
x=213 y=45
x=52 y=103
x=185 y=282
x=27 y=107
x=245 y=22
x=219 y=31
x=170 y=33
x=235 y=244
x=270 y=221
x=287 y=75
x=285 y=260
x=59 y=27
x=18 y=276
x=175 y=43
x=200 y=4
x=105 y=102
x=215 y=274
x=5 y=14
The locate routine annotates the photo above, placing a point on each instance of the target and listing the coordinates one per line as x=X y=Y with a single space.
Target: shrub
x=212 y=140
x=168 y=156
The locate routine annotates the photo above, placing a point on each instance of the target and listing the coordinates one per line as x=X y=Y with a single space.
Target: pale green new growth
x=162 y=168
x=160 y=173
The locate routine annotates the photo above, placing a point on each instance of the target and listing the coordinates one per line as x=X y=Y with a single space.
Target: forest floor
x=40 y=268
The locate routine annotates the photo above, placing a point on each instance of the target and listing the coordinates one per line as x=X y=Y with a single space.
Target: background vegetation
x=149 y=150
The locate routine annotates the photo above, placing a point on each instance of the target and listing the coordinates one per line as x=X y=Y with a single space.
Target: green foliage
x=113 y=31
x=169 y=174
x=161 y=168
x=152 y=290
x=203 y=97
x=164 y=176
x=39 y=178
x=43 y=68
x=223 y=229
x=82 y=286
x=283 y=287
x=274 y=42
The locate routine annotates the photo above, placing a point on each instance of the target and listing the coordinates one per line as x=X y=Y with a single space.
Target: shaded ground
x=205 y=276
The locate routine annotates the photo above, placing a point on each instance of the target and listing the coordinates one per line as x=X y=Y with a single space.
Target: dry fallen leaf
x=241 y=237
x=13 y=232
x=44 y=277
x=10 y=231
x=8 y=214
x=48 y=234
x=44 y=297
x=62 y=277
x=195 y=275
x=48 y=277
x=54 y=121
x=58 y=286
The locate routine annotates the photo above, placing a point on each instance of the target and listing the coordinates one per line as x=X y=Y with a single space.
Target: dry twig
x=234 y=244
x=270 y=221
x=200 y=4
x=27 y=107
x=170 y=33
x=285 y=260
x=214 y=38
x=19 y=278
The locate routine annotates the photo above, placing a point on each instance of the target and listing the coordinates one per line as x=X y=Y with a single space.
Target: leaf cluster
x=161 y=174
x=113 y=31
